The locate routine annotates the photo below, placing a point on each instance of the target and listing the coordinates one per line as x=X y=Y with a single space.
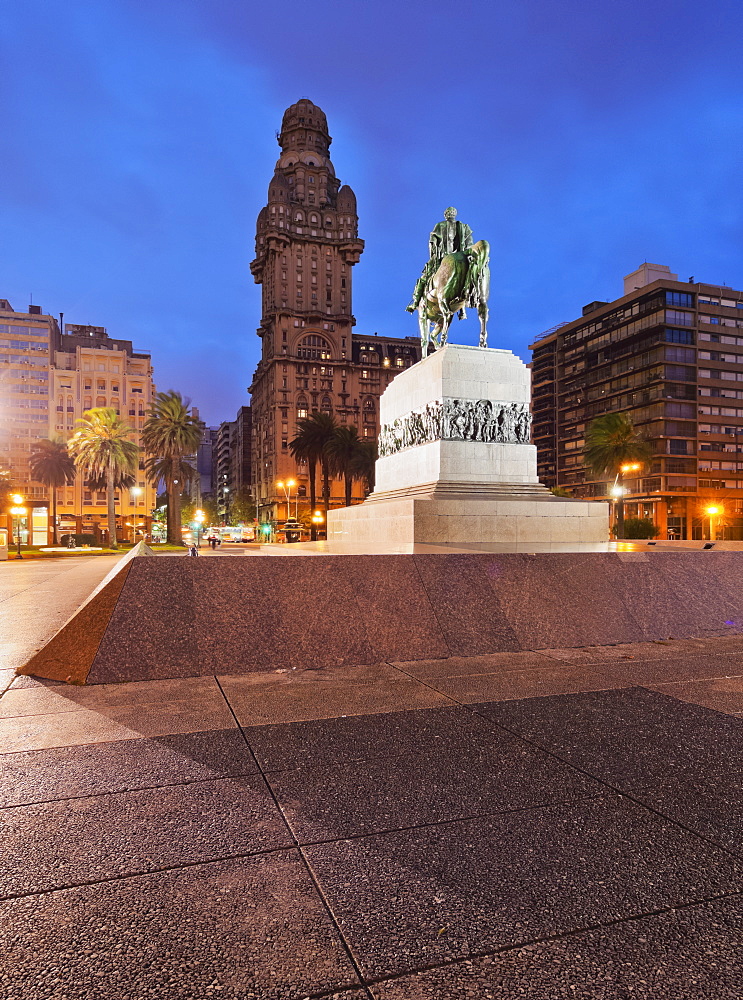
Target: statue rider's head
x=450 y=214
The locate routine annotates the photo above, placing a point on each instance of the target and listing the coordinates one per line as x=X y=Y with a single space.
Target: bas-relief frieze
x=457 y=420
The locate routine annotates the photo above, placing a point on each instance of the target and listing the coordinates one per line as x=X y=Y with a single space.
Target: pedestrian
x=193 y=551
x=213 y=542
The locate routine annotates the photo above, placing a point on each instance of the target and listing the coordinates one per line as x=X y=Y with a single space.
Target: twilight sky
x=580 y=137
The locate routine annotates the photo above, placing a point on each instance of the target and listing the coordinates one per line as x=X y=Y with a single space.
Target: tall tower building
x=306 y=246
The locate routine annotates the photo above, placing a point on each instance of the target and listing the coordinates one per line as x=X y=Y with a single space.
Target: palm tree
x=342 y=450
x=363 y=464
x=313 y=434
x=51 y=464
x=101 y=447
x=612 y=444
x=170 y=433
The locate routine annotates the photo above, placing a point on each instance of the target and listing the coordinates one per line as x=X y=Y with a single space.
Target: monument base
x=450 y=514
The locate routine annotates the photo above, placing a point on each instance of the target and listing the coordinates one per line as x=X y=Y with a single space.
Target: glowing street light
x=199 y=519
x=19 y=511
x=713 y=510
x=287 y=487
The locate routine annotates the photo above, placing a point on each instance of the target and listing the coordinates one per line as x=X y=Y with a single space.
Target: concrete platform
x=562 y=823
x=153 y=619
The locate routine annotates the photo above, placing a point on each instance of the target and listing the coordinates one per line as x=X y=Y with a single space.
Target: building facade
x=90 y=369
x=307 y=244
x=27 y=344
x=670 y=354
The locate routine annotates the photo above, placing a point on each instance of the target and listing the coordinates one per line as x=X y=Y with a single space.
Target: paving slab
x=486 y=663
x=414 y=789
x=691 y=953
x=628 y=738
x=425 y=731
x=693 y=579
x=294 y=696
x=470 y=615
x=51 y=845
x=537 y=682
x=724 y=694
x=647 y=673
x=101 y=713
x=71 y=772
x=711 y=809
x=251 y=929
x=417 y=897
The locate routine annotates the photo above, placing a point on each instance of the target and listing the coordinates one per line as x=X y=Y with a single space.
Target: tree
x=242 y=506
x=170 y=433
x=363 y=465
x=612 y=443
x=101 y=447
x=314 y=432
x=51 y=464
x=342 y=450
x=640 y=527
x=560 y=491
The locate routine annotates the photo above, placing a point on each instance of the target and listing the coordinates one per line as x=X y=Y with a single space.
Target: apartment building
x=670 y=354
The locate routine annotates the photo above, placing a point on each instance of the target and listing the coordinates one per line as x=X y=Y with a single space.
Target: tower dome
x=304 y=126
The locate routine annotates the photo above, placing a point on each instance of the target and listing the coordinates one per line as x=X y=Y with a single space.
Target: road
x=37 y=596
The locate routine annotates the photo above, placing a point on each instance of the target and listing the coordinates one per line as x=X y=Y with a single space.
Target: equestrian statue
x=457 y=275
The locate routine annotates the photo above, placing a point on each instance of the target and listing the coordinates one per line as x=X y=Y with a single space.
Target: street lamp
x=618 y=491
x=317 y=519
x=712 y=510
x=199 y=519
x=19 y=511
x=287 y=487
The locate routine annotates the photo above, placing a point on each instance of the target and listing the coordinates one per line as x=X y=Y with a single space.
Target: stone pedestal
x=455 y=463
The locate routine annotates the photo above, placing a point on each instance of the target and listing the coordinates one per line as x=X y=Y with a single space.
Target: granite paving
x=483 y=820
x=246 y=929
x=416 y=897
x=96 y=769
x=687 y=953
x=51 y=845
x=627 y=738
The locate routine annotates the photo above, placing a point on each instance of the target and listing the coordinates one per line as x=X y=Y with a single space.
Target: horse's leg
x=483 y=313
x=424 y=328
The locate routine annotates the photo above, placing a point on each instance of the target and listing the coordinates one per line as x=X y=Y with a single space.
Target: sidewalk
x=536 y=825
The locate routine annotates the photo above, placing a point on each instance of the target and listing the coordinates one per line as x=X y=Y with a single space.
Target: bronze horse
x=462 y=279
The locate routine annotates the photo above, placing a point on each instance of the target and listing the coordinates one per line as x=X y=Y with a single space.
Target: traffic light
x=266 y=528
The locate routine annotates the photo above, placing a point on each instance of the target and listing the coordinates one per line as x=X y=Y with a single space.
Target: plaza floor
x=548 y=824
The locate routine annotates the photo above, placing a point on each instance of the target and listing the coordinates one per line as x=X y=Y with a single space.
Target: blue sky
x=579 y=138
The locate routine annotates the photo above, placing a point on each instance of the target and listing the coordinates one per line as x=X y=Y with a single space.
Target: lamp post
x=618 y=491
x=287 y=487
x=135 y=492
x=713 y=510
x=18 y=510
x=317 y=519
x=199 y=519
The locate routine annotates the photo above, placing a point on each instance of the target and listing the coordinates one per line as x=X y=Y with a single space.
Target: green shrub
x=639 y=527
x=81 y=539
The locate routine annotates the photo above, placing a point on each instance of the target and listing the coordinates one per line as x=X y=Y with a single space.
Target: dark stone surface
x=151 y=633
x=95 y=769
x=510 y=879
x=469 y=612
x=69 y=654
x=628 y=738
x=251 y=929
x=700 y=581
x=713 y=808
x=73 y=841
x=647 y=590
x=457 y=782
x=261 y=614
x=383 y=586
x=556 y=599
x=427 y=731
x=692 y=953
